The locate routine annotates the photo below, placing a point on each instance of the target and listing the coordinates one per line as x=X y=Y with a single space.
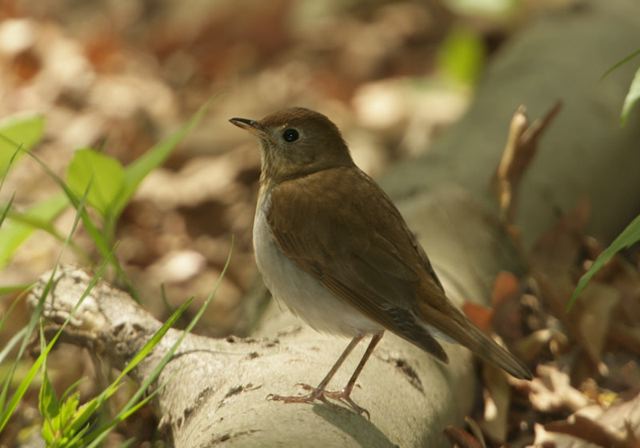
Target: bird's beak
x=250 y=125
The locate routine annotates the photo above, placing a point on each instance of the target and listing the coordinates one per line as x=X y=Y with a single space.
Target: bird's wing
x=341 y=228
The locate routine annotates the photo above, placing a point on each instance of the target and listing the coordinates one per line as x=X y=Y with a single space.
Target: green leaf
x=102 y=175
x=18 y=132
x=101 y=241
x=632 y=98
x=143 y=165
x=629 y=236
x=68 y=412
x=461 y=56
x=14 y=233
x=49 y=407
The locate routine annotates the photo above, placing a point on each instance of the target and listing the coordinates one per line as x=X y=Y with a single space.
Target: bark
x=213 y=392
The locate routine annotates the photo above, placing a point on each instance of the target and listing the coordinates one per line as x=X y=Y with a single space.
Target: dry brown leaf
x=530 y=347
x=551 y=391
x=505 y=287
x=626 y=336
x=521 y=147
x=201 y=179
x=553 y=261
x=627 y=281
x=617 y=426
x=507 y=307
x=460 y=438
x=555 y=256
x=464 y=439
x=480 y=315
x=594 y=318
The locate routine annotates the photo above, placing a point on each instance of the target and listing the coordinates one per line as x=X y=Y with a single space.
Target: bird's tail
x=454 y=324
x=487 y=349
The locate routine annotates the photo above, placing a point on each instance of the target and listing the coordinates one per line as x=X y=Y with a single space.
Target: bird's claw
x=322 y=395
x=345 y=397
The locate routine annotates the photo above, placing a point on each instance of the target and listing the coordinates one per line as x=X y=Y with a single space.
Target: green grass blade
x=620 y=63
x=12 y=343
x=99 y=239
x=8 y=411
x=128 y=443
x=48 y=402
x=14 y=233
x=148 y=347
x=22 y=290
x=25 y=383
x=6 y=208
x=136 y=171
x=13 y=158
x=12 y=289
x=155 y=339
x=37 y=224
x=35 y=315
x=127 y=409
x=630 y=235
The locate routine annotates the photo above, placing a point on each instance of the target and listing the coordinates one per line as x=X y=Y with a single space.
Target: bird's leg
x=345 y=394
x=318 y=393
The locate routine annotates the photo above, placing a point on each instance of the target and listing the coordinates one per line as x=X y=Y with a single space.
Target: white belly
x=304 y=295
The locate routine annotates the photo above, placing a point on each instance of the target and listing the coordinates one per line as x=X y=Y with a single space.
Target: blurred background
x=120 y=75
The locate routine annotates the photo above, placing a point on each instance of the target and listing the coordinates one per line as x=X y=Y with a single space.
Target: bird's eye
x=290 y=135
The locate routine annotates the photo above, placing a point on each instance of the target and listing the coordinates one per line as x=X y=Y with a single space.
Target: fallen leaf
x=598 y=301
x=507 y=306
x=532 y=346
x=463 y=439
x=551 y=391
x=521 y=148
x=497 y=400
x=555 y=256
x=617 y=426
x=480 y=315
x=505 y=287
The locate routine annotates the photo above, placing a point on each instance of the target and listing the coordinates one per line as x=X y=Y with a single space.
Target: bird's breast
x=299 y=291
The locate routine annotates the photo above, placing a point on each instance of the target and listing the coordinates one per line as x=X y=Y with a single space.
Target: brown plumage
x=375 y=264
x=332 y=246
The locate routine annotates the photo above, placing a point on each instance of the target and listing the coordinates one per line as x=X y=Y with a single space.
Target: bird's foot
x=344 y=396
x=319 y=394
x=314 y=394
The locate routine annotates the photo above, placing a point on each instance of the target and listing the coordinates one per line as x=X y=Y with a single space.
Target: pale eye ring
x=290 y=135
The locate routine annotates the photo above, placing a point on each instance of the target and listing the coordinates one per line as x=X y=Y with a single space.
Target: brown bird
x=332 y=246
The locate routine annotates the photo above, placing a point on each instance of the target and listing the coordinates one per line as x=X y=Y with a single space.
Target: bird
x=331 y=245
